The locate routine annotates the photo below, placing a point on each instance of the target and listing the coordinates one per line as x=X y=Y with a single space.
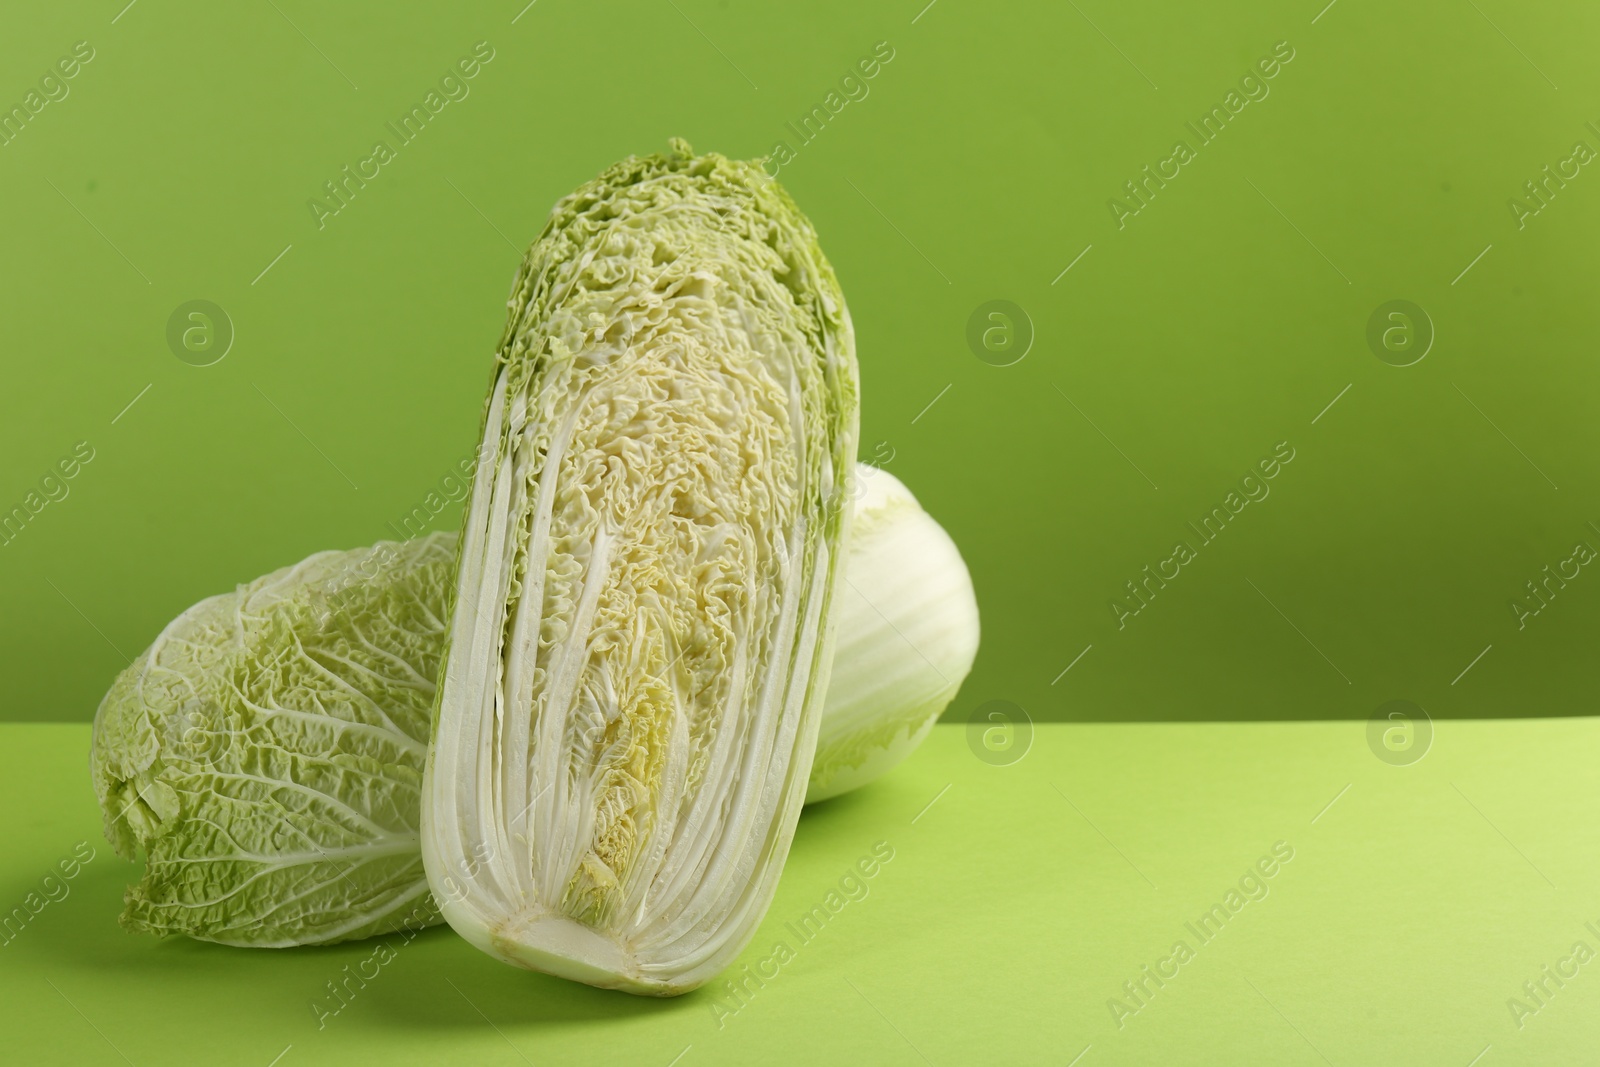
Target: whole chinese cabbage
x=266 y=752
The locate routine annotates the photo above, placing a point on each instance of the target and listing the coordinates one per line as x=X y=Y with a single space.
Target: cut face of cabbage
x=642 y=631
x=244 y=679
x=267 y=752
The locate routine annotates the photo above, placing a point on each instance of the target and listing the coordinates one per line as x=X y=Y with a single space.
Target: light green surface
x=1015 y=906
x=1223 y=319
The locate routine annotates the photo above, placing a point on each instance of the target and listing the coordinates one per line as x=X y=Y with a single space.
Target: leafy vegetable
x=266 y=752
x=642 y=632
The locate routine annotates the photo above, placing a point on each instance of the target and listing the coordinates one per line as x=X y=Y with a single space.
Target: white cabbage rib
x=642 y=631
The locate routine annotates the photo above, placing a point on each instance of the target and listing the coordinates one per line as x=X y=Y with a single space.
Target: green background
x=1177 y=351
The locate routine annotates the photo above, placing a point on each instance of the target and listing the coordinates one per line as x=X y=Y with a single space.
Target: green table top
x=1413 y=905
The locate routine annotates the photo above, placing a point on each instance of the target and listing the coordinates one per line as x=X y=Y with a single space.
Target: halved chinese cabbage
x=242 y=725
x=643 y=625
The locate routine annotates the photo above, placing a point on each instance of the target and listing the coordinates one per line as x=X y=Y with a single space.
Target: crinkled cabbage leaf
x=266 y=752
